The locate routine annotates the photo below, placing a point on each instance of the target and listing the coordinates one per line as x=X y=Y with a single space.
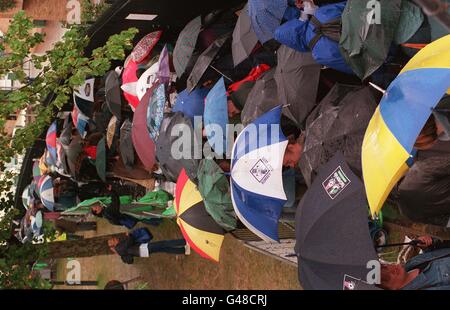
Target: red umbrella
x=129 y=83
x=145 y=46
x=143 y=144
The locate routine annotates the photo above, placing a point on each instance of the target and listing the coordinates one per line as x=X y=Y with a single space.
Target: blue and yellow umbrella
x=401 y=115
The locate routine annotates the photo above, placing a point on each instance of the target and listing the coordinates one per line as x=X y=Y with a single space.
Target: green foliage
x=5 y=5
x=62 y=69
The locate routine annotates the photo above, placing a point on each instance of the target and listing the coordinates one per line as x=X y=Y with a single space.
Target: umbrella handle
x=413 y=243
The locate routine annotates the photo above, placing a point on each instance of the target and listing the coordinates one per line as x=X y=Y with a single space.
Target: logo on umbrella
x=261 y=170
x=336 y=183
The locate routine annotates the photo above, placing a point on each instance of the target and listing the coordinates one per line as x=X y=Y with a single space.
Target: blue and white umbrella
x=216 y=117
x=256 y=175
x=46 y=192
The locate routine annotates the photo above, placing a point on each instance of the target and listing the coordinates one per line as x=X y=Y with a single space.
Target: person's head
x=232 y=109
x=114 y=285
x=428 y=136
x=97 y=210
x=393 y=276
x=113 y=242
x=293 y=152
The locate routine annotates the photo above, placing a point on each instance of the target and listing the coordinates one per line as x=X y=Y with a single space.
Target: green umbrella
x=100 y=160
x=365 y=45
x=214 y=187
x=411 y=18
x=84 y=207
x=153 y=204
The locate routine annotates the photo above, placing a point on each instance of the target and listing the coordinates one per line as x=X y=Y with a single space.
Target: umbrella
x=262 y=98
x=83 y=97
x=129 y=84
x=113 y=95
x=199 y=229
x=365 y=46
x=204 y=61
x=73 y=153
x=216 y=114
x=297 y=77
x=126 y=144
x=80 y=121
x=244 y=38
x=66 y=133
x=37 y=173
x=152 y=205
x=145 y=46
x=173 y=158
x=100 y=159
x=146 y=81
x=214 y=187
x=50 y=141
x=340 y=125
x=185 y=45
x=143 y=144
x=191 y=104
x=164 y=74
x=27 y=197
x=155 y=111
x=266 y=16
x=256 y=175
x=390 y=139
x=45 y=188
x=111 y=132
x=331 y=227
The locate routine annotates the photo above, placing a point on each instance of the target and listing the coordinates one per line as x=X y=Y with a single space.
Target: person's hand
x=424 y=242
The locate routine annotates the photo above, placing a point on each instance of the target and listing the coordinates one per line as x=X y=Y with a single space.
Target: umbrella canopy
x=365 y=46
x=262 y=98
x=185 y=45
x=184 y=152
x=152 y=205
x=126 y=144
x=100 y=159
x=66 y=133
x=297 y=77
x=199 y=229
x=204 y=61
x=331 y=223
x=83 y=97
x=266 y=16
x=143 y=144
x=37 y=173
x=129 y=84
x=340 y=126
x=191 y=104
x=389 y=138
x=164 y=75
x=147 y=79
x=73 y=153
x=112 y=93
x=256 y=175
x=80 y=121
x=45 y=188
x=111 y=131
x=216 y=114
x=145 y=46
x=27 y=197
x=155 y=111
x=244 y=37
x=214 y=187
x=50 y=141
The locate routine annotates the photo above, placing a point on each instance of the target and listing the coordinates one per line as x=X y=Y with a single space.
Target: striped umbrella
x=45 y=187
x=26 y=197
x=50 y=141
x=402 y=113
x=37 y=173
x=199 y=229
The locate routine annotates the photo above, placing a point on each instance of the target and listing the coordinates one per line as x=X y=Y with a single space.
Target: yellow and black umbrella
x=199 y=229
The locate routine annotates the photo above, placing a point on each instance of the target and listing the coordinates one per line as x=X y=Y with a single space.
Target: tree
x=62 y=69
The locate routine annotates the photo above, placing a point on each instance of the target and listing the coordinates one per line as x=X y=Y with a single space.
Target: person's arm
x=428 y=243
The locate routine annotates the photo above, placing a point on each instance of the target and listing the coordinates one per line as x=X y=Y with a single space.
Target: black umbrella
x=73 y=153
x=337 y=124
x=113 y=94
x=174 y=155
x=126 y=144
x=66 y=133
x=244 y=37
x=204 y=61
x=332 y=229
x=262 y=98
x=297 y=76
x=185 y=45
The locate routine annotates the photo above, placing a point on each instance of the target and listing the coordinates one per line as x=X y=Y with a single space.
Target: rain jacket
x=298 y=35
